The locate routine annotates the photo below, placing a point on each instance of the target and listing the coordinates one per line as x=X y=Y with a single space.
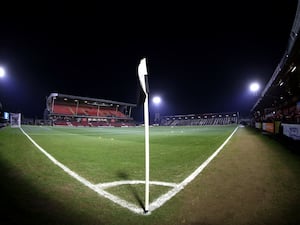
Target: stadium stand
x=277 y=110
x=201 y=119
x=70 y=110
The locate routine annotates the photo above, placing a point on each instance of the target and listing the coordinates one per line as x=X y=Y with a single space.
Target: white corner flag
x=143 y=78
x=142 y=71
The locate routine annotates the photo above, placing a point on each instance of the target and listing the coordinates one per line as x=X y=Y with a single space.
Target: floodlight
x=2 y=72
x=254 y=87
x=156 y=100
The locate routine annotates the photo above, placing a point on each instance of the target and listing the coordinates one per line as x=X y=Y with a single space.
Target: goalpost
x=15 y=120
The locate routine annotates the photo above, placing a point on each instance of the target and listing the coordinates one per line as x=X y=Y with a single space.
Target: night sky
x=200 y=57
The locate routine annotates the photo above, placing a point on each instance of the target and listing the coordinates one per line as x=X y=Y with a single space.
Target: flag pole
x=144 y=86
x=147 y=163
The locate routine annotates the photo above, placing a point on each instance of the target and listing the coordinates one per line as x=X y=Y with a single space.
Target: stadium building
x=277 y=109
x=70 y=110
x=201 y=119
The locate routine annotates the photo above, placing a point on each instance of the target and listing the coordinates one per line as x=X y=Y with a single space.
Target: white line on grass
x=124 y=182
x=166 y=197
x=156 y=203
x=113 y=198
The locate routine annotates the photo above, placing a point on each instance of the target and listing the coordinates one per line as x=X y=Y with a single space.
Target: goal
x=15 y=120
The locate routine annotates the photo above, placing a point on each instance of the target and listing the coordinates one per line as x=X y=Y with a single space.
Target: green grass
x=99 y=155
x=252 y=181
x=107 y=154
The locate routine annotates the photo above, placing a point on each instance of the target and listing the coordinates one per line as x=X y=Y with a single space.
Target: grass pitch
x=111 y=154
x=252 y=181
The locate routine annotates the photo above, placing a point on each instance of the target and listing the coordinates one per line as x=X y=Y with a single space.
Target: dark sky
x=201 y=57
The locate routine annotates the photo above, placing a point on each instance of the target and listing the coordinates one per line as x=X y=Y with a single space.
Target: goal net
x=15 y=119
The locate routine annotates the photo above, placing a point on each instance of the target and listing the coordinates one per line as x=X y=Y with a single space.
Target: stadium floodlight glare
x=156 y=100
x=2 y=72
x=254 y=87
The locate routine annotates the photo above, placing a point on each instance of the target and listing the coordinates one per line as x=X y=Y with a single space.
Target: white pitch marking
x=113 y=198
x=167 y=196
x=156 y=203
x=124 y=182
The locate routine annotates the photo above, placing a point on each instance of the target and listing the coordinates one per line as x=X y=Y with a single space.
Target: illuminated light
x=281 y=83
x=294 y=68
x=254 y=87
x=2 y=72
x=156 y=100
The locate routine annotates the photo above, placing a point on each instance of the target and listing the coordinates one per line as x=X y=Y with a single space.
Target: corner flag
x=143 y=82
x=144 y=93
